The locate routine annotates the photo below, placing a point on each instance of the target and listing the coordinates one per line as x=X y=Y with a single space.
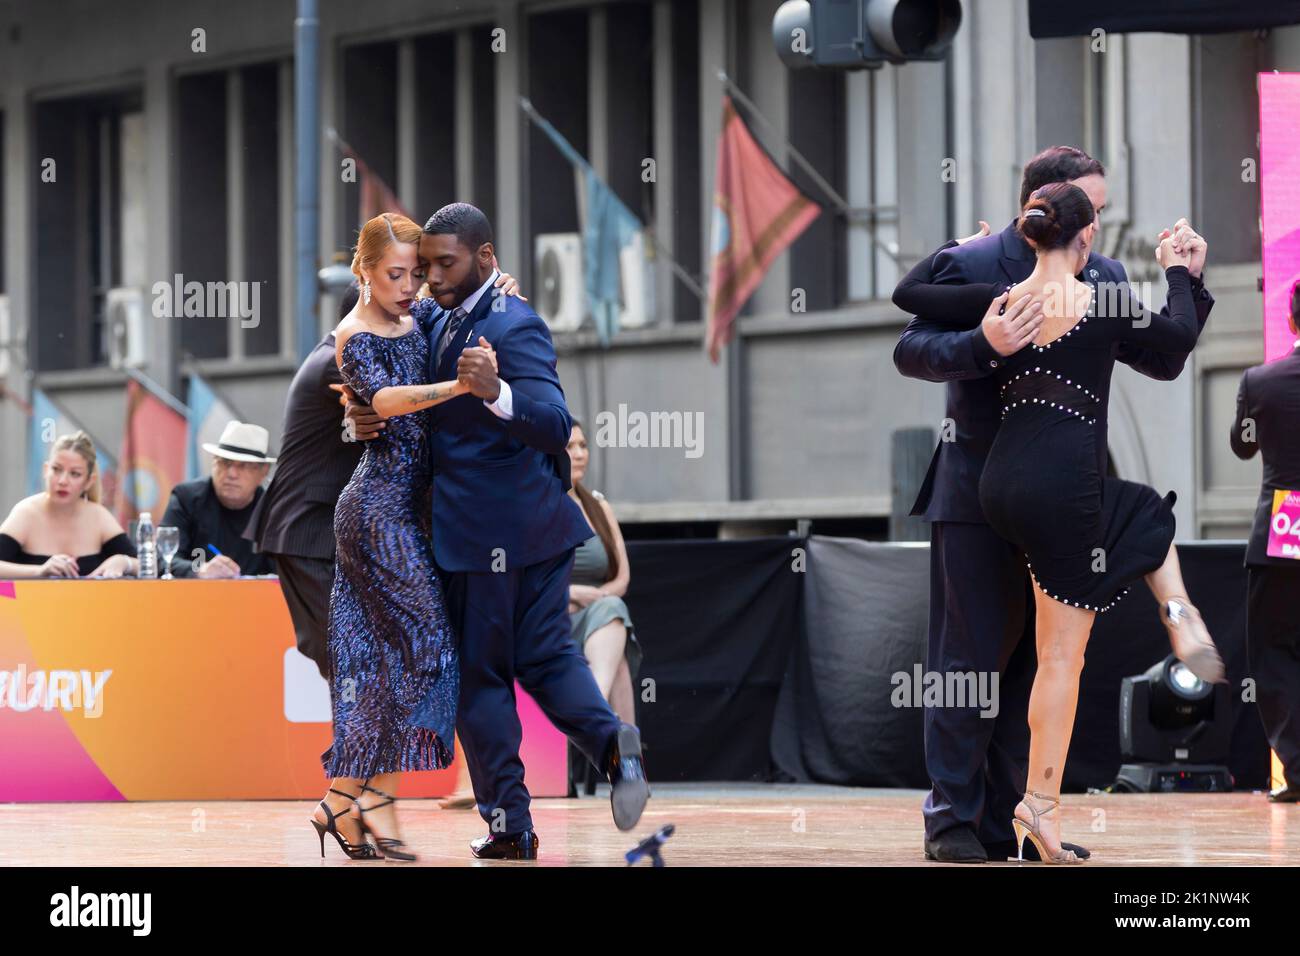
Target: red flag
x=757 y=213
x=376 y=197
x=153 y=455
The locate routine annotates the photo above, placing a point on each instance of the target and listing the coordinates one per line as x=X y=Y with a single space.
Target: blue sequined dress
x=395 y=674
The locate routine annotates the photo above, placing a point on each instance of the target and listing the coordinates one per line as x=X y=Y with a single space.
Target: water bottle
x=144 y=546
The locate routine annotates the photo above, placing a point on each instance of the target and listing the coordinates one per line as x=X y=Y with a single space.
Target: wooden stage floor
x=716 y=825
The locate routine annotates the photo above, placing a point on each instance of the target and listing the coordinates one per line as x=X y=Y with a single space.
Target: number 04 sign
x=1284 y=529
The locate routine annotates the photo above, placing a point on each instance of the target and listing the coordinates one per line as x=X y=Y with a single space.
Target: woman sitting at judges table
x=602 y=627
x=64 y=532
x=1086 y=537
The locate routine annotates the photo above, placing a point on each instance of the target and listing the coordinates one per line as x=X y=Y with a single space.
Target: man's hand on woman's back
x=360 y=422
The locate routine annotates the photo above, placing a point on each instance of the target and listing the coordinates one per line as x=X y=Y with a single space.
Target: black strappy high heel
x=355 y=851
x=390 y=848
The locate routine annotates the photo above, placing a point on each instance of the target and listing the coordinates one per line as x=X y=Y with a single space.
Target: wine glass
x=168 y=540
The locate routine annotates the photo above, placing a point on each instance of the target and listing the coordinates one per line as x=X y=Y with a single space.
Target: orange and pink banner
x=180 y=690
x=153 y=455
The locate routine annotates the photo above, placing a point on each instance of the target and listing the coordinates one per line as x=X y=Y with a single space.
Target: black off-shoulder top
x=11 y=550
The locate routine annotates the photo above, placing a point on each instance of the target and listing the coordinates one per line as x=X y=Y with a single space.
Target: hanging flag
x=376 y=196
x=757 y=213
x=48 y=422
x=153 y=454
x=208 y=415
x=610 y=228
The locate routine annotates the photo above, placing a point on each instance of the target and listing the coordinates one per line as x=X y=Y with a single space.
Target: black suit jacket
x=936 y=351
x=195 y=511
x=1269 y=397
x=296 y=515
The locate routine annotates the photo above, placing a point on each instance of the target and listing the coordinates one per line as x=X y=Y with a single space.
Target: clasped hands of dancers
x=447 y=592
x=1014 y=326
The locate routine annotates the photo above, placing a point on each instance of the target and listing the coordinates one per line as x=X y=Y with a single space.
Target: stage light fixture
x=1175 y=731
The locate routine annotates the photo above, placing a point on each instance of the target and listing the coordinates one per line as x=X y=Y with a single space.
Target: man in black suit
x=981 y=599
x=294 y=523
x=1268 y=421
x=211 y=514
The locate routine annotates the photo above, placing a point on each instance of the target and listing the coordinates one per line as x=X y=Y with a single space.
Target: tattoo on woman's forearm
x=431 y=394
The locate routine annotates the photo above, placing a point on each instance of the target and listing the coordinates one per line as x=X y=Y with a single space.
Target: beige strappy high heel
x=1034 y=831
x=1181 y=616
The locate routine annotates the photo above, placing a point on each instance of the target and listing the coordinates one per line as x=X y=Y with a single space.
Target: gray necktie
x=449 y=335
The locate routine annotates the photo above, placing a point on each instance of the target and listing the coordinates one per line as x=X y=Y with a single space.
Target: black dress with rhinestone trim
x=1086 y=537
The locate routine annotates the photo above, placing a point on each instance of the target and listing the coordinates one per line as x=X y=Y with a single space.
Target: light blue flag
x=208 y=415
x=610 y=227
x=49 y=422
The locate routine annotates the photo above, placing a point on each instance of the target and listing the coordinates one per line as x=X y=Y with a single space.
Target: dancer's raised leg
x=1188 y=636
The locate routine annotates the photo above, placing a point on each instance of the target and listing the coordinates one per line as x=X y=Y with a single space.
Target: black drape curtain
x=717 y=622
x=773 y=659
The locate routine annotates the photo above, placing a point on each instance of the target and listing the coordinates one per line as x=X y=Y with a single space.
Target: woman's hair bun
x=1055 y=214
x=1038 y=222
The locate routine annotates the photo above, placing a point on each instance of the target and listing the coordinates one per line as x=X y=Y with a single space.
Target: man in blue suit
x=981 y=601
x=504 y=534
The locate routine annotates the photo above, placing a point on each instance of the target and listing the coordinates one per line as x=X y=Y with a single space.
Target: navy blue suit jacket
x=933 y=350
x=499 y=487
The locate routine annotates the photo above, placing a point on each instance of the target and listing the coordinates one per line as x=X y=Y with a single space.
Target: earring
x=365 y=292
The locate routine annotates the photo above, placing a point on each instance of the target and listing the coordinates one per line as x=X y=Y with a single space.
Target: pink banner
x=1279 y=193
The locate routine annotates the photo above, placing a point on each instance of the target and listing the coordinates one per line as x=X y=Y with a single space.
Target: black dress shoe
x=956 y=845
x=1005 y=850
x=628 y=787
x=1285 y=794
x=519 y=846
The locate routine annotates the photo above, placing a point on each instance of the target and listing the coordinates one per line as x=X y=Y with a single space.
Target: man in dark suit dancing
x=504 y=534
x=294 y=521
x=981 y=599
x=1268 y=422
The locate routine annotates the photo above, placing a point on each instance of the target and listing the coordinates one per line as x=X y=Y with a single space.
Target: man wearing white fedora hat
x=211 y=513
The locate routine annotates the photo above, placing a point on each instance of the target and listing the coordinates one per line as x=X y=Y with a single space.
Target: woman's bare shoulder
x=109 y=527
x=605 y=506
x=347 y=327
x=21 y=516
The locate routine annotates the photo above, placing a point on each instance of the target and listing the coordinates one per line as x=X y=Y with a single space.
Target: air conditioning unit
x=561 y=294
x=637 y=278
x=7 y=343
x=124 y=310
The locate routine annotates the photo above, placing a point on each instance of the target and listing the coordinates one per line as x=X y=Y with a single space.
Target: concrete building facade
x=144 y=141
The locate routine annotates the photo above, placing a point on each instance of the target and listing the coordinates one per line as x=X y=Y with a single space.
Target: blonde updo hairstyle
x=377 y=235
x=84 y=446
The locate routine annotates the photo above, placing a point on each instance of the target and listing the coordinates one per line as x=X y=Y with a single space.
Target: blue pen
x=213 y=549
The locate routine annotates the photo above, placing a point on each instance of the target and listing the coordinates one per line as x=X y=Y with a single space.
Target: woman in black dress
x=1086 y=537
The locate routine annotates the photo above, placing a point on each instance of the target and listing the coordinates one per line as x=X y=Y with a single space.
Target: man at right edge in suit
x=1268 y=422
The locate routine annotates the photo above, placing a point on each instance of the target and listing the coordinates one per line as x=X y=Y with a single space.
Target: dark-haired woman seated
x=602 y=626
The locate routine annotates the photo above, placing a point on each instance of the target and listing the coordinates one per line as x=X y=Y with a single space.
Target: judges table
x=179 y=690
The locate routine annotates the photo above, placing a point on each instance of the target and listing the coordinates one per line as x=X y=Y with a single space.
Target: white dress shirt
x=503 y=407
